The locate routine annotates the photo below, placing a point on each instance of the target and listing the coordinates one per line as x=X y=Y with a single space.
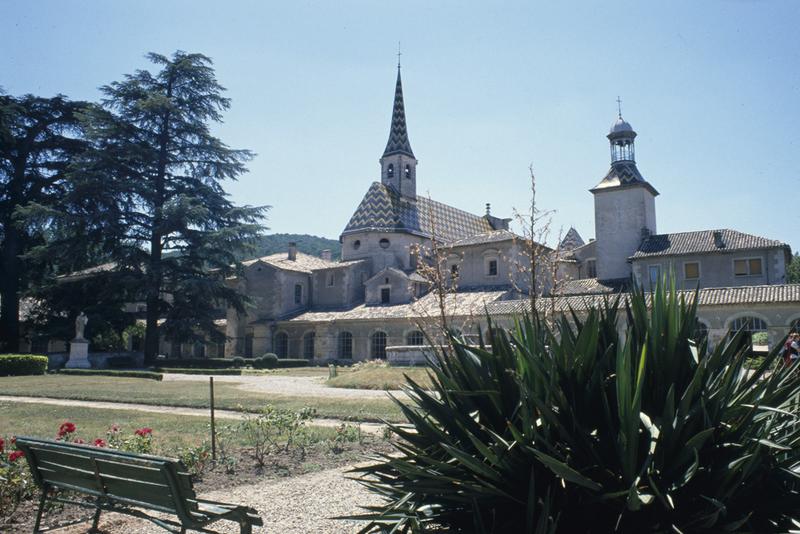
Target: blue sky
x=712 y=88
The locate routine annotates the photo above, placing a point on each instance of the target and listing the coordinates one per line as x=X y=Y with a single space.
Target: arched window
x=308 y=345
x=415 y=338
x=379 y=345
x=282 y=345
x=390 y=171
x=408 y=171
x=345 y=345
x=749 y=324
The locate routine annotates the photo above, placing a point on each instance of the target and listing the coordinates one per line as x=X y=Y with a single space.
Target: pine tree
x=154 y=173
x=39 y=137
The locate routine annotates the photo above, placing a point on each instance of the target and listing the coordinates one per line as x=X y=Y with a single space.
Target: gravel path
x=308 y=386
x=298 y=505
x=371 y=428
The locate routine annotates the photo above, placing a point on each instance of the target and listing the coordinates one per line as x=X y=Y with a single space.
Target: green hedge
x=107 y=372
x=179 y=371
x=22 y=364
x=292 y=362
x=204 y=363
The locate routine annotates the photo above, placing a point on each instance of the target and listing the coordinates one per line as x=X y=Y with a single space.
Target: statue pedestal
x=78 y=354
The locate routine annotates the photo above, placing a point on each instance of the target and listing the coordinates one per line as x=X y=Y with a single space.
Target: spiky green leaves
x=596 y=425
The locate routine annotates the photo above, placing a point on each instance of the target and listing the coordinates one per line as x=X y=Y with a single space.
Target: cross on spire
x=619 y=107
x=399 y=53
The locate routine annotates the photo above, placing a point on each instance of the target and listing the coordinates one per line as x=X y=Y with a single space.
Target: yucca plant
x=612 y=421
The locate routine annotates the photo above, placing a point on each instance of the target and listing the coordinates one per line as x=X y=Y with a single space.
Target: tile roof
x=712 y=296
x=382 y=209
x=592 y=286
x=623 y=174
x=398 y=133
x=494 y=236
x=701 y=241
x=462 y=304
x=304 y=263
x=572 y=240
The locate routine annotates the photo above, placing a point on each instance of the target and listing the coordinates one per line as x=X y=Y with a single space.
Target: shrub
x=267 y=361
x=16 y=482
x=760 y=338
x=578 y=427
x=202 y=363
x=265 y=431
x=284 y=363
x=238 y=362
x=22 y=364
x=198 y=371
x=105 y=372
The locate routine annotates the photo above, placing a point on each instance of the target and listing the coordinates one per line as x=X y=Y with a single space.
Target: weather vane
x=399 y=53
x=619 y=106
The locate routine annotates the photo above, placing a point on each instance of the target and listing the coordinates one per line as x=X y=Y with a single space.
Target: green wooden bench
x=126 y=483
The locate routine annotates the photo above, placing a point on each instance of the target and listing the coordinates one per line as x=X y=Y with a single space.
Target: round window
x=357 y=244
x=384 y=243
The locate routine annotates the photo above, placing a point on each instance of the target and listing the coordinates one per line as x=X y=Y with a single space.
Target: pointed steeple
x=398 y=133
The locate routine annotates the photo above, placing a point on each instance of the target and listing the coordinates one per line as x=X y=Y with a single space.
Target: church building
x=375 y=301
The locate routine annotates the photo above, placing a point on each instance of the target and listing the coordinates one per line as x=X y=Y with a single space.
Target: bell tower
x=398 y=164
x=624 y=206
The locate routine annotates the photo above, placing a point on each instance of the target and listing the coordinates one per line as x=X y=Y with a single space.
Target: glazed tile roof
x=304 y=263
x=398 y=133
x=623 y=174
x=382 y=209
x=701 y=241
x=494 y=236
x=572 y=240
x=712 y=296
x=462 y=304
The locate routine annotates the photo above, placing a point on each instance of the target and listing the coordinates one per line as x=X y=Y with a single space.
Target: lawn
x=381 y=377
x=191 y=394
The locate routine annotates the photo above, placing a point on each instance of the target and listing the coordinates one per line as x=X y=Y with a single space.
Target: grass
x=191 y=394
x=170 y=432
x=381 y=377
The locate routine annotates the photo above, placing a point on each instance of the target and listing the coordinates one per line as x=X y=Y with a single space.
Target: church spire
x=398 y=133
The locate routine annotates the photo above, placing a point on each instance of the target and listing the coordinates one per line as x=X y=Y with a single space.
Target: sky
x=712 y=89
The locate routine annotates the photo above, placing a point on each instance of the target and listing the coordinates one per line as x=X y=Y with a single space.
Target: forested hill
x=308 y=244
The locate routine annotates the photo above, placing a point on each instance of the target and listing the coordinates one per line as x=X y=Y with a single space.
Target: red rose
x=99 y=442
x=2 y=445
x=144 y=432
x=66 y=428
x=15 y=455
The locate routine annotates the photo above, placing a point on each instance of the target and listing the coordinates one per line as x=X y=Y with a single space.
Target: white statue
x=80 y=325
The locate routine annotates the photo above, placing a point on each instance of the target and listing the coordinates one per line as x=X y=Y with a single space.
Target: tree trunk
x=9 y=289
x=154 y=274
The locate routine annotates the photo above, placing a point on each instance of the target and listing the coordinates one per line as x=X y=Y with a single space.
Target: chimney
x=326 y=254
x=292 y=251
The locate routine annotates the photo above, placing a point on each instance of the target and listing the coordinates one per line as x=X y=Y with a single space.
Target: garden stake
x=213 y=430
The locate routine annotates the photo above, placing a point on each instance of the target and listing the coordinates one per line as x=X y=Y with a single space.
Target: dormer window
x=408 y=171
x=390 y=171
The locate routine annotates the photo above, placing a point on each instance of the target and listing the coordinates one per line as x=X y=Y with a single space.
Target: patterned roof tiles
x=702 y=241
x=572 y=240
x=398 y=142
x=623 y=174
x=383 y=209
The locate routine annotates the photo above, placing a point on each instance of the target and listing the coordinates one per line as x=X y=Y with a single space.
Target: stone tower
x=624 y=206
x=398 y=164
